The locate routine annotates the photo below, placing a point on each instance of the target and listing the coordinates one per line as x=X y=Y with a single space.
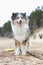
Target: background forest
x=35 y=22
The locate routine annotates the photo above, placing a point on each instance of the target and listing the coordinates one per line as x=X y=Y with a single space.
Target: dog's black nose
x=20 y=21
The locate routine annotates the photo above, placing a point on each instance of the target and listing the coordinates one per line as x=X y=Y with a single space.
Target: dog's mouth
x=20 y=24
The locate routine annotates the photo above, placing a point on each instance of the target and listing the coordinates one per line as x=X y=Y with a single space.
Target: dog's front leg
x=17 y=47
x=24 y=47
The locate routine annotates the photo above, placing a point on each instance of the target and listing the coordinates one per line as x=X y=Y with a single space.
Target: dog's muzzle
x=20 y=23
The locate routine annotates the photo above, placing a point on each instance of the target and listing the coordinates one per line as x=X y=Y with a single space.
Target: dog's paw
x=23 y=53
x=17 y=51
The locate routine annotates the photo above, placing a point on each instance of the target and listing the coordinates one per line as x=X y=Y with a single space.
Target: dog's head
x=19 y=19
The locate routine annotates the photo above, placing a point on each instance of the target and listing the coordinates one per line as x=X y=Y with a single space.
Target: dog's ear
x=13 y=16
x=24 y=14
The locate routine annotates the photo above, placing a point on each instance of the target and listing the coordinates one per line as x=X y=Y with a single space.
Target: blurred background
x=33 y=9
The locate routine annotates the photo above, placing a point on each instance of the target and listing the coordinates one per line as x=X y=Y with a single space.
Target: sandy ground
x=9 y=58
x=34 y=57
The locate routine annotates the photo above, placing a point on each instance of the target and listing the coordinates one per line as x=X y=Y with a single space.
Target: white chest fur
x=20 y=33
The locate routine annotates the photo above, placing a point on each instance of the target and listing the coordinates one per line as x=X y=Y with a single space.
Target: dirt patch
x=34 y=57
x=9 y=58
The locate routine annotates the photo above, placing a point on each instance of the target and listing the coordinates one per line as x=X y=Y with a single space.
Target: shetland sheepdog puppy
x=21 y=32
